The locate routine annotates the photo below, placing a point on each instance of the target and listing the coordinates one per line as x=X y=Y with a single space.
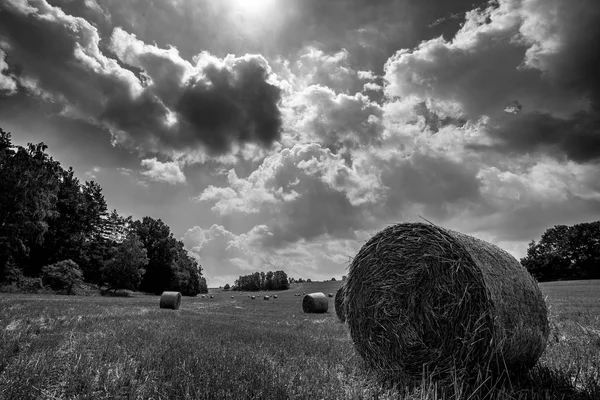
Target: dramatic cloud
x=301 y=193
x=7 y=83
x=158 y=101
x=339 y=122
x=168 y=172
x=536 y=52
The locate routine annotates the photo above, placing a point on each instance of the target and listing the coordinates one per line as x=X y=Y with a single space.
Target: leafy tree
x=565 y=252
x=202 y=285
x=226 y=287
x=126 y=268
x=62 y=275
x=159 y=244
x=28 y=197
x=332 y=279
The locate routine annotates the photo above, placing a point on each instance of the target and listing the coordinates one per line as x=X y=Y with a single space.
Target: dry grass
x=72 y=347
x=339 y=304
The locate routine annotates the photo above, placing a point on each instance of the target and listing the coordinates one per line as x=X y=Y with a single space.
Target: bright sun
x=253 y=6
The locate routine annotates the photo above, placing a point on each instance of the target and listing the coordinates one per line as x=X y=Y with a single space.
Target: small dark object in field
x=274 y=296
x=315 y=303
x=170 y=300
x=420 y=298
x=211 y=296
x=339 y=304
x=253 y=297
x=232 y=297
x=330 y=295
x=266 y=298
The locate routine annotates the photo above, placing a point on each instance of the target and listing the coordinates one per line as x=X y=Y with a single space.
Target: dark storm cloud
x=150 y=98
x=577 y=138
x=232 y=106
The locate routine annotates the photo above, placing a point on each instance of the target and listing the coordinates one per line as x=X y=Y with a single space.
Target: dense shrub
x=63 y=275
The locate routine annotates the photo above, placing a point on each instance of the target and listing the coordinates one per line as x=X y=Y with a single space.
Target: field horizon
x=88 y=347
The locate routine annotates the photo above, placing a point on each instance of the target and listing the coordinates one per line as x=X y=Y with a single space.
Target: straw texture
x=420 y=298
x=315 y=303
x=170 y=300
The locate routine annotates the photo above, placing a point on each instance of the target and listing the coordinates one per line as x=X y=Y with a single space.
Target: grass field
x=92 y=347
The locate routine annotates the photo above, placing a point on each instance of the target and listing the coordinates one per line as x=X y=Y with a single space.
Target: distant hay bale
x=330 y=295
x=315 y=303
x=274 y=296
x=253 y=297
x=202 y=296
x=170 y=300
x=211 y=296
x=232 y=297
x=266 y=298
x=422 y=298
x=339 y=304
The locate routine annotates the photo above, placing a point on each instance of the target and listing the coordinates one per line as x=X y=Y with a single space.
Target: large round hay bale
x=339 y=304
x=266 y=298
x=253 y=297
x=422 y=298
x=274 y=296
x=170 y=300
x=315 y=303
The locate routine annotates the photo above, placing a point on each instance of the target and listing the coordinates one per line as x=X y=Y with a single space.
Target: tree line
x=57 y=231
x=277 y=280
x=565 y=252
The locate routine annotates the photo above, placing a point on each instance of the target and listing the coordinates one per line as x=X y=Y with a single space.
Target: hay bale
x=266 y=298
x=253 y=297
x=339 y=304
x=274 y=296
x=170 y=300
x=202 y=296
x=423 y=298
x=232 y=297
x=330 y=295
x=315 y=303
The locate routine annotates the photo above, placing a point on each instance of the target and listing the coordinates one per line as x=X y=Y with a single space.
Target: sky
x=283 y=134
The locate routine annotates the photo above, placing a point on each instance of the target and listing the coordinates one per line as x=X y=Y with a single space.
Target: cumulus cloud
x=225 y=256
x=7 y=82
x=534 y=51
x=340 y=122
x=300 y=193
x=151 y=99
x=158 y=171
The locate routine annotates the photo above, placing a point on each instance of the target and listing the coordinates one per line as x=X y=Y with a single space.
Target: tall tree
x=28 y=196
x=162 y=253
x=126 y=268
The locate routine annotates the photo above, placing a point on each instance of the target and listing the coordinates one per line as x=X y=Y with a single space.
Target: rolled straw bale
x=339 y=304
x=315 y=303
x=266 y=298
x=330 y=295
x=423 y=298
x=274 y=296
x=170 y=300
x=253 y=297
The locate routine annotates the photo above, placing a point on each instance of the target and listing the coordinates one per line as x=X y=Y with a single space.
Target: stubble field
x=92 y=347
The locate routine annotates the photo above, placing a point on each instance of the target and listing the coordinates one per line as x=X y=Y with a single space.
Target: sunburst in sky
x=274 y=134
